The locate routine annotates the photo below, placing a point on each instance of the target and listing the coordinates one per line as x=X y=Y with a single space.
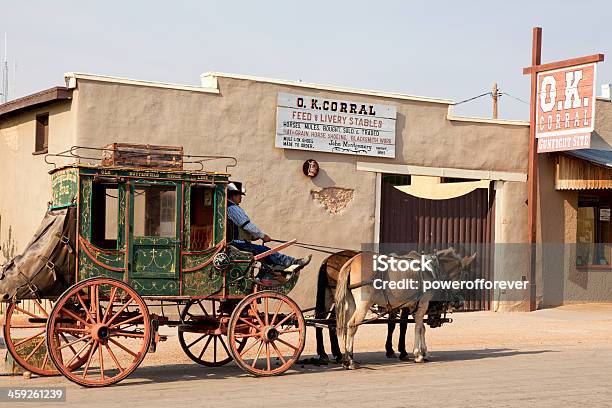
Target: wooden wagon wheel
x=25 y=338
x=110 y=328
x=275 y=333
x=202 y=338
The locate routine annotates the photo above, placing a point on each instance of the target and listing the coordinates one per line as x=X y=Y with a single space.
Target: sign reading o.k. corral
x=565 y=108
x=328 y=125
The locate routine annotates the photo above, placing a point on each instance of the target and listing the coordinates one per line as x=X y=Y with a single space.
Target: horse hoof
x=404 y=357
x=323 y=360
x=391 y=354
x=338 y=359
x=419 y=359
x=353 y=365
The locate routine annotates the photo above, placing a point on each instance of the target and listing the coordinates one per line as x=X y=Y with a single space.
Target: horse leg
x=401 y=346
x=342 y=331
x=390 y=329
x=333 y=340
x=419 y=331
x=352 y=326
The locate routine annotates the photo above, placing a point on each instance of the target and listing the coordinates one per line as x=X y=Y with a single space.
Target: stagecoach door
x=154 y=245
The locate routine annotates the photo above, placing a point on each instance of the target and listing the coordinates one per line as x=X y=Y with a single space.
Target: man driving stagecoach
x=241 y=231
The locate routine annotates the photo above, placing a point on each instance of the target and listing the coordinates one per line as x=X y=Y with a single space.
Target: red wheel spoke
x=286 y=344
x=289 y=331
x=266 y=317
x=91 y=319
x=205 y=347
x=249 y=323
x=26 y=326
x=109 y=307
x=257 y=355
x=71 y=330
x=35 y=349
x=101 y=361
x=268 y=356
x=256 y=312
x=245 y=335
x=246 y=350
x=26 y=312
x=45 y=360
x=28 y=338
x=122 y=347
x=131 y=319
x=96 y=304
x=90 y=341
x=42 y=309
x=119 y=311
x=276 y=313
x=215 y=349
x=197 y=340
x=91 y=352
x=280 y=355
x=114 y=358
x=74 y=316
x=224 y=345
x=284 y=320
x=72 y=342
x=127 y=334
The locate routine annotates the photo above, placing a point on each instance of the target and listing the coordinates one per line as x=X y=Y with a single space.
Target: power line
x=475 y=97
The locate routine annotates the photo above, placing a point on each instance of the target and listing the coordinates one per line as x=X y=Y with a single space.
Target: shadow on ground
x=368 y=360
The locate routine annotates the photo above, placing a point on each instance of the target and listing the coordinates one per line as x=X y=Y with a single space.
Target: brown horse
x=356 y=294
x=326 y=286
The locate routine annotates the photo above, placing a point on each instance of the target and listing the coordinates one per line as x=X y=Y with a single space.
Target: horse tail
x=342 y=297
x=322 y=283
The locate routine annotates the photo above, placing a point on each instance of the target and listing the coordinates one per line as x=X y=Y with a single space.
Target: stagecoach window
x=104 y=215
x=594 y=230
x=202 y=218
x=155 y=211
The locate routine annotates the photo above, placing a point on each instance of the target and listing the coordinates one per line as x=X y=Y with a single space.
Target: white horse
x=356 y=294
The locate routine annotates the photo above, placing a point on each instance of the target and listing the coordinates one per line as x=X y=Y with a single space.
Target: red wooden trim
x=107 y=267
x=95 y=248
x=211 y=249
x=562 y=64
x=275 y=249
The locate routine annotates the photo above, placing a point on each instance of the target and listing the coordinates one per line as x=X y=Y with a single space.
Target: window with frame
x=104 y=215
x=202 y=218
x=41 y=144
x=594 y=228
x=155 y=211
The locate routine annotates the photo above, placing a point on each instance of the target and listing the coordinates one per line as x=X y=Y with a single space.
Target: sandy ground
x=553 y=357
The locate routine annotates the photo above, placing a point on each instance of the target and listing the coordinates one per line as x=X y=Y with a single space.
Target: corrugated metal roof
x=601 y=157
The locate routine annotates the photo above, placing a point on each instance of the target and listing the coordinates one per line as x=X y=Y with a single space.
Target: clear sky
x=447 y=49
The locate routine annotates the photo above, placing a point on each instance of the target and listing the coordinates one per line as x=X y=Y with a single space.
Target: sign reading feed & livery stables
x=565 y=108
x=335 y=126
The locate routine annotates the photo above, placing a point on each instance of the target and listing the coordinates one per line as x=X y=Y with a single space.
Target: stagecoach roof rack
x=139 y=156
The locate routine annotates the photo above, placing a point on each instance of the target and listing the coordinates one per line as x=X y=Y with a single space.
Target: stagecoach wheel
x=273 y=328
x=109 y=327
x=25 y=337
x=25 y=333
x=206 y=343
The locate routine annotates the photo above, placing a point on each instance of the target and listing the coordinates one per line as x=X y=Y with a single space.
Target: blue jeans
x=275 y=259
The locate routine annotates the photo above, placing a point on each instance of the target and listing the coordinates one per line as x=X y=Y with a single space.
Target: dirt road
x=554 y=357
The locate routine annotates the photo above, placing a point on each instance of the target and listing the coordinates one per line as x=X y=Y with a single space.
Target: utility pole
x=495 y=96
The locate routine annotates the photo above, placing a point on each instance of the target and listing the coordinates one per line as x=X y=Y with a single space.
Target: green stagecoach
x=133 y=243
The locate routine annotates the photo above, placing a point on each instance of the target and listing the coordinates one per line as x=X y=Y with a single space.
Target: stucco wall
x=240 y=121
x=25 y=185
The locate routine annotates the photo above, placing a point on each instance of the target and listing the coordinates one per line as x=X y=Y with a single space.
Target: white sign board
x=329 y=125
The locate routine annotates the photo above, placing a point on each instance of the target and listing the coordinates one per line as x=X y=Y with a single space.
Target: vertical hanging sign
x=565 y=108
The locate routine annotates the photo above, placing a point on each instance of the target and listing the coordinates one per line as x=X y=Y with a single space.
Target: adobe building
x=392 y=168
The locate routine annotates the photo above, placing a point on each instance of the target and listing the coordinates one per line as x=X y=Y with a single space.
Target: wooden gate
x=466 y=223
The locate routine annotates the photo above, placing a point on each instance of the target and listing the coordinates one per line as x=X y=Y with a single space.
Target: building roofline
x=210 y=79
x=73 y=77
x=37 y=99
